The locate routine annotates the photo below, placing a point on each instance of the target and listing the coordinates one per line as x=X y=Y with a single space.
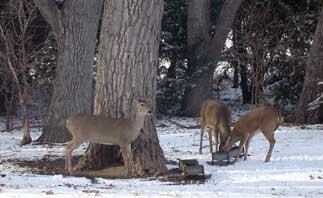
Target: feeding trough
x=224 y=158
x=189 y=171
x=188 y=162
x=190 y=167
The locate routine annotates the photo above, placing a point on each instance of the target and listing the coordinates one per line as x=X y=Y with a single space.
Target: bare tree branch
x=223 y=26
x=50 y=12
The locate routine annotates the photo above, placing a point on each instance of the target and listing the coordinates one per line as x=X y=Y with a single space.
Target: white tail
x=106 y=130
x=217 y=117
x=265 y=119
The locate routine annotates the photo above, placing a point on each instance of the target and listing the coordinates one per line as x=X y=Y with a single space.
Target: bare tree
x=75 y=24
x=19 y=52
x=127 y=69
x=313 y=76
x=257 y=37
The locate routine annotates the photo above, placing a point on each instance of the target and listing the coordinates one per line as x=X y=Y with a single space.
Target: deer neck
x=138 y=122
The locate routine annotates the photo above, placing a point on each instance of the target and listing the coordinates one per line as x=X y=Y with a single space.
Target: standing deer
x=264 y=119
x=217 y=117
x=106 y=130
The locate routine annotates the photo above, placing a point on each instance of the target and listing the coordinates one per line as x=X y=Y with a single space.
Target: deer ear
x=137 y=101
x=140 y=100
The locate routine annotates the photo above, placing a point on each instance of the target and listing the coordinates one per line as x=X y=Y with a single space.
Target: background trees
x=313 y=78
x=20 y=45
x=286 y=38
x=270 y=32
x=270 y=45
x=279 y=32
x=171 y=73
x=205 y=42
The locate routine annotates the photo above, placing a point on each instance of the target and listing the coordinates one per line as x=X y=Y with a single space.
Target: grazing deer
x=264 y=119
x=217 y=117
x=106 y=130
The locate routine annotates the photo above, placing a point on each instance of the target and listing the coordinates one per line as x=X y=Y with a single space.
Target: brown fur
x=264 y=119
x=217 y=117
x=106 y=130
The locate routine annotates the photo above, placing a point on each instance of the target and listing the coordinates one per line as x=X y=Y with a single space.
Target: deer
x=106 y=130
x=215 y=116
x=261 y=119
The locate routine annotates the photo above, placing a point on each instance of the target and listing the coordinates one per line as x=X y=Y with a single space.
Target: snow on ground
x=295 y=170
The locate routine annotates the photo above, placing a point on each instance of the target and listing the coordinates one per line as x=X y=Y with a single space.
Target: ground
x=295 y=170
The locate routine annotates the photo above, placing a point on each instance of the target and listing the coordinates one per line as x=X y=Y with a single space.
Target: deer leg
x=125 y=160
x=130 y=157
x=125 y=151
x=202 y=134
x=68 y=156
x=246 y=147
x=271 y=139
x=216 y=134
x=210 y=139
x=243 y=140
x=66 y=159
x=223 y=141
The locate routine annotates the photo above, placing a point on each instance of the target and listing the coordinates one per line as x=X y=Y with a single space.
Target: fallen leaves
x=50 y=192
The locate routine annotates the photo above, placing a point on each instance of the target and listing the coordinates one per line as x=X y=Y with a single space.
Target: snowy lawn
x=295 y=170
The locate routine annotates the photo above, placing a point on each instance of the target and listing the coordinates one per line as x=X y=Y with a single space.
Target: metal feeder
x=191 y=167
x=224 y=158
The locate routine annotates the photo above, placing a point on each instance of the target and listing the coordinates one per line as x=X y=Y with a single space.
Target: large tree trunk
x=235 y=83
x=241 y=63
x=257 y=76
x=210 y=48
x=313 y=75
x=25 y=123
x=223 y=26
x=126 y=69
x=198 y=23
x=246 y=95
x=75 y=25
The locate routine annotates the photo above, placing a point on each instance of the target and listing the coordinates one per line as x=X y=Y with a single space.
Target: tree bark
x=171 y=72
x=235 y=83
x=241 y=59
x=246 y=95
x=2 y=102
x=26 y=137
x=210 y=48
x=223 y=27
x=313 y=75
x=198 y=23
x=126 y=69
x=257 y=76
x=75 y=25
